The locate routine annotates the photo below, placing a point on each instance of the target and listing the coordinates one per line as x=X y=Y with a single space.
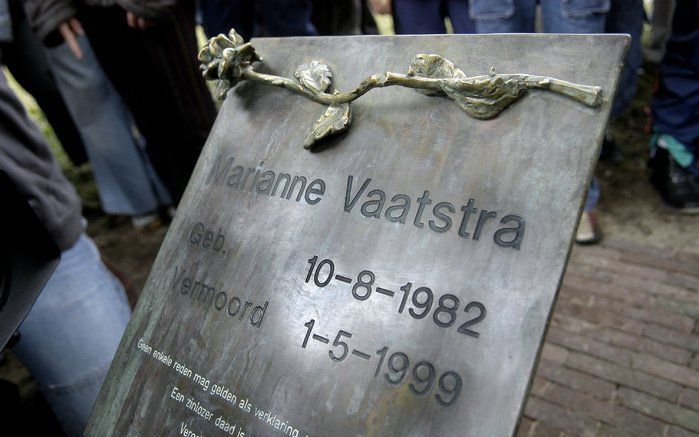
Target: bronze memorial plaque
x=394 y=280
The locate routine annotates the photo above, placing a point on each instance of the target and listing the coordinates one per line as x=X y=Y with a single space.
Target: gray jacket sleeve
x=45 y=15
x=26 y=158
x=150 y=9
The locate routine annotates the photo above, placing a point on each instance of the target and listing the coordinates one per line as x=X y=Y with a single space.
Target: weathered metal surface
x=228 y=60
x=331 y=299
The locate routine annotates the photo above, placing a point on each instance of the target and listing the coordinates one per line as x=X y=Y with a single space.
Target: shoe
x=676 y=185
x=588 y=231
x=146 y=222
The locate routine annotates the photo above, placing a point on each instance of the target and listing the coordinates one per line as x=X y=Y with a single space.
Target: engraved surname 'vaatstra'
x=442 y=214
x=202 y=293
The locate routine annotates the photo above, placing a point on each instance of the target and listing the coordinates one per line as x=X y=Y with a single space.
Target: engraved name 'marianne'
x=362 y=197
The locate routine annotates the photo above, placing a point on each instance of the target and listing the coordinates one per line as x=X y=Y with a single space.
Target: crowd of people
x=118 y=81
x=674 y=44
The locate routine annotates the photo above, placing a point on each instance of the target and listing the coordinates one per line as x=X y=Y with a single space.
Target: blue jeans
x=572 y=16
x=559 y=16
x=70 y=335
x=126 y=181
x=626 y=16
x=593 y=194
x=427 y=16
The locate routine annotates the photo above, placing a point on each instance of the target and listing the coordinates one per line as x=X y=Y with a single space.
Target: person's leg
x=660 y=29
x=458 y=14
x=285 y=18
x=588 y=231
x=126 y=181
x=418 y=17
x=220 y=16
x=25 y=59
x=589 y=16
x=368 y=24
x=156 y=72
x=675 y=106
x=626 y=16
x=172 y=46
x=676 y=102
x=592 y=195
x=72 y=332
x=575 y=16
x=503 y=16
x=338 y=17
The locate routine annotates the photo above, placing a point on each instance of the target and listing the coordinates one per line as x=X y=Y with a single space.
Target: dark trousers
x=257 y=18
x=26 y=60
x=427 y=16
x=157 y=74
x=337 y=17
x=676 y=102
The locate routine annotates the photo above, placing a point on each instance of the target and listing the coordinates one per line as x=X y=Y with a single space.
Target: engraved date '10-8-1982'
x=422 y=298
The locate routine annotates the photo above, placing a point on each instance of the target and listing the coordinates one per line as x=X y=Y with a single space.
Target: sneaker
x=588 y=232
x=676 y=185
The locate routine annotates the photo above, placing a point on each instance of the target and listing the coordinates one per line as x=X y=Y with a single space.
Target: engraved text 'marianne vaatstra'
x=230 y=60
x=364 y=196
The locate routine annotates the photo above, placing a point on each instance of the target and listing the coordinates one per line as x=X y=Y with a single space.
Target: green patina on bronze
x=229 y=60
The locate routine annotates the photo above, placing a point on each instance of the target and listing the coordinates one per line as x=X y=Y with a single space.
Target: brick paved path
x=622 y=353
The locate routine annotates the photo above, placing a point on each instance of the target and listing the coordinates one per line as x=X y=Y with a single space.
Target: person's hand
x=380 y=6
x=70 y=30
x=136 y=22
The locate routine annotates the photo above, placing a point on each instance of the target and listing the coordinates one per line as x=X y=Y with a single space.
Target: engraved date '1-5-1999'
x=423 y=374
x=422 y=299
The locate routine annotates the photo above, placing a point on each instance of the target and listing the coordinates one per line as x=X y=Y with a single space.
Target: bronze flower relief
x=230 y=60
